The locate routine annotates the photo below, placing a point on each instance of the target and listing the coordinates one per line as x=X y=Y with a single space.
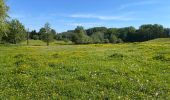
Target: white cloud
x=88 y=24
x=124 y=6
x=101 y=17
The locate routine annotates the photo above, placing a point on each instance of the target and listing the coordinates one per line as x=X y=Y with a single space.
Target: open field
x=98 y=71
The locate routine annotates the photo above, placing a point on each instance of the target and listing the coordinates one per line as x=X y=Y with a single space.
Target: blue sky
x=67 y=14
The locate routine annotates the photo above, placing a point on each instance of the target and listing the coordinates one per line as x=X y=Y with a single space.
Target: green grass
x=41 y=43
x=98 y=71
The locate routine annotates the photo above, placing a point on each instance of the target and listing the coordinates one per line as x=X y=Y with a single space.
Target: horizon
x=86 y=13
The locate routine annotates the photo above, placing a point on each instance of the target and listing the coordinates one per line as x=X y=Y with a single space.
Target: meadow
x=124 y=71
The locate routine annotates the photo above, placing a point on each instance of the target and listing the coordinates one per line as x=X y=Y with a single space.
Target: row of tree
x=46 y=34
x=12 y=31
x=15 y=32
x=114 y=35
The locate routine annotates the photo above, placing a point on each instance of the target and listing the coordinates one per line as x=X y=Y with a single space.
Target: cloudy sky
x=67 y=14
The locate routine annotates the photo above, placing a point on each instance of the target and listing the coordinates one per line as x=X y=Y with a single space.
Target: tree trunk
x=47 y=43
x=27 y=38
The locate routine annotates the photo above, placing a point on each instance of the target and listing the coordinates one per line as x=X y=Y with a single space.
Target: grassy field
x=99 y=71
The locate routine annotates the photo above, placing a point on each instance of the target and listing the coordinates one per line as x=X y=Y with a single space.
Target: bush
x=117 y=56
x=56 y=55
x=161 y=58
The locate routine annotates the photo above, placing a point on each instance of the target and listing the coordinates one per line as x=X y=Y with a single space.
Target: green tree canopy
x=97 y=37
x=3 y=15
x=16 y=33
x=80 y=36
x=47 y=34
x=150 y=31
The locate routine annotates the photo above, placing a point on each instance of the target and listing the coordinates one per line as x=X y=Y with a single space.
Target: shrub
x=52 y=64
x=161 y=58
x=19 y=56
x=117 y=56
x=56 y=55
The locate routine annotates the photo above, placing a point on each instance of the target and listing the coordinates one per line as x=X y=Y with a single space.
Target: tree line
x=107 y=35
x=114 y=35
x=13 y=31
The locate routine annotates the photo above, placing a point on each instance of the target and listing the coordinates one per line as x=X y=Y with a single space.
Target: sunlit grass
x=96 y=71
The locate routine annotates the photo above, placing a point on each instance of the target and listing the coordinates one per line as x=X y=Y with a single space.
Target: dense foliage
x=106 y=35
x=3 y=16
x=114 y=35
x=47 y=34
x=11 y=31
x=16 y=32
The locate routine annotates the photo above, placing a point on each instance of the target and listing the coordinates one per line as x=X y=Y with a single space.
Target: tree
x=97 y=37
x=53 y=32
x=27 y=36
x=66 y=36
x=48 y=31
x=3 y=30
x=80 y=36
x=3 y=16
x=34 y=35
x=114 y=35
x=125 y=32
x=58 y=37
x=113 y=39
x=131 y=34
x=150 y=31
x=96 y=29
x=3 y=9
x=16 y=33
x=110 y=32
x=42 y=33
x=47 y=34
x=166 y=32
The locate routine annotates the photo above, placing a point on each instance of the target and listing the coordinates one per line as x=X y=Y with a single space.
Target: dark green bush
x=161 y=57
